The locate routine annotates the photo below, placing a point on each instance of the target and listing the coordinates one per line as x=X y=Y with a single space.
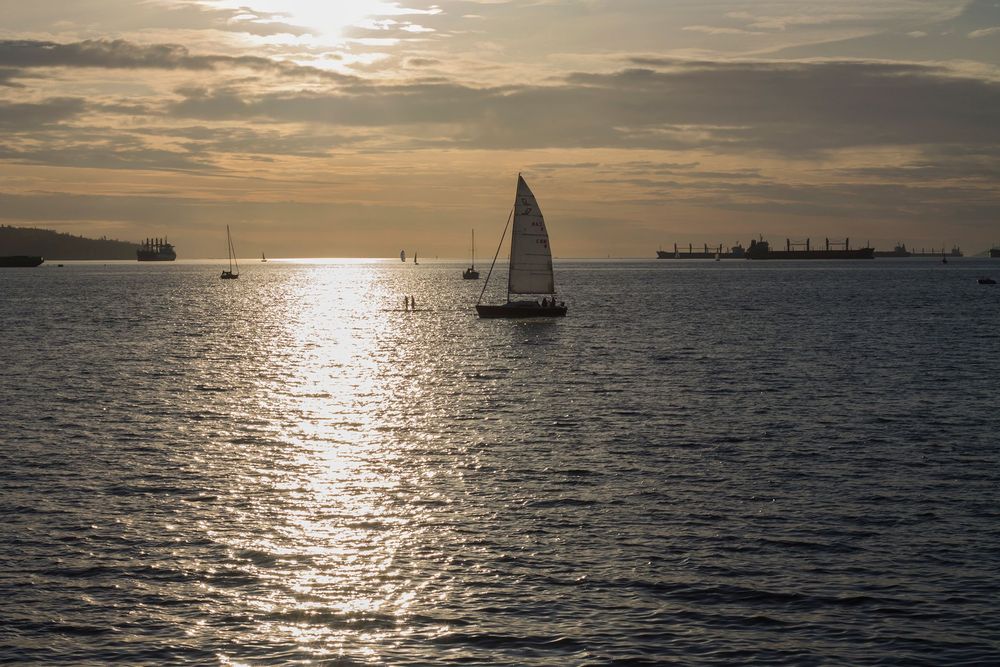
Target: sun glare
x=327 y=20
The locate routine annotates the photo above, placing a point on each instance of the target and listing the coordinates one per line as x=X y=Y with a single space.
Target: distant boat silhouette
x=471 y=273
x=20 y=260
x=230 y=275
x=986 y=281
x=415 y=258
x=402 y=255
x=530 y=267
x=262 y=258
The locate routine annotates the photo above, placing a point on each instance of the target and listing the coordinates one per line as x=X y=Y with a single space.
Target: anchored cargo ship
x=155 y=250
x=761 y=249
x=955 y=252
x=708 y=252
x=20 y=261
x=899 y=251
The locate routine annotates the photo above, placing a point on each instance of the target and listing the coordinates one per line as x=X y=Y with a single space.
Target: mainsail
x=530 y=257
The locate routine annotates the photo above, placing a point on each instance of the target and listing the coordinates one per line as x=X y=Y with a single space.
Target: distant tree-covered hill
x=56 y=245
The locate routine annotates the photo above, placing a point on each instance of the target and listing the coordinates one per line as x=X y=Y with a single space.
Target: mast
x=473 y=248
x=232 y=252
x=497 y=254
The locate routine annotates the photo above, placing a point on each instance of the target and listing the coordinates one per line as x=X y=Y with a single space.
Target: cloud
x=34 y=115
x=122 y=54
x=984 y=32
x=794 y=108
x=715 y=30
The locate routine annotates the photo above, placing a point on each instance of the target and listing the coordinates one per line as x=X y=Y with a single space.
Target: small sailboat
x=402 y=255
x=530 y=269
x=415 y=258
x=471 y=273
x=230 y=274
x=262 y=258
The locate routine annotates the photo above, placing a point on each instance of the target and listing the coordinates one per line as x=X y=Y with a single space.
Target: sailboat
x=415 y=257
x=471 y=273
x=262 y=258
x=530 y=269
x=402 y=255
x=230 y=274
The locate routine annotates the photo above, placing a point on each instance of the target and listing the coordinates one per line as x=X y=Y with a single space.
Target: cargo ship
x=707 y=252
x=762 y=250
x=155 y=250
x=994 y=252
x=955 y=252
x=11 y=261
x=899 y=251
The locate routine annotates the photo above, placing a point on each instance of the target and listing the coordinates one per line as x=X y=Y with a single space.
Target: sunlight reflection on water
x=289 y=467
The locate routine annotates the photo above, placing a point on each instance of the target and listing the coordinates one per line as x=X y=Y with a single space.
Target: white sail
x=530 y=257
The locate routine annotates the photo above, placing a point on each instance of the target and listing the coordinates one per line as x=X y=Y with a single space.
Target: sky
x=356 y=129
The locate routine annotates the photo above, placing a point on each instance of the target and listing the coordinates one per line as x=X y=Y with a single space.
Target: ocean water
x=703 y=463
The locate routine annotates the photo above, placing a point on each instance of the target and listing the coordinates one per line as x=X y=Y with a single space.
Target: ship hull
x=144 y=256
x=994 y=252
x=519 y=310
x=736 y=252
x=861 y=253
x=20 y=261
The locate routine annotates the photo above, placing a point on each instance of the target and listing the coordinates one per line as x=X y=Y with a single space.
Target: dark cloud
x=18 y=117
x=120 y=153
x=122 y=54
x=788 y=108
x=7 y=76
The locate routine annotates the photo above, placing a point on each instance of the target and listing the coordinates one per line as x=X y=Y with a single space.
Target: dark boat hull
x=470 y=274
x=12 y=261
x=861 y=253
x=519 y=311
x=994 y=252
x=229 y=275
x=144 y=256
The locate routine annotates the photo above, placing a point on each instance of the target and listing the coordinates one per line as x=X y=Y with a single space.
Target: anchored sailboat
x=262 y=258
x=530 y=270
x=471 y=273
x=402 y=255
x=230 y=274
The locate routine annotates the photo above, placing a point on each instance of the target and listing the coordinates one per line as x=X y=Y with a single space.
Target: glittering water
x=705 y=462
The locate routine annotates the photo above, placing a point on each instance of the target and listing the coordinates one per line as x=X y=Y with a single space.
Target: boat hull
x=12 y=261
x=519 y=311
x=470 y=274
x=860 y=253
x=229 y=275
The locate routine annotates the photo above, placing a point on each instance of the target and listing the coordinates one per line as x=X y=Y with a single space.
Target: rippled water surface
x=704 y=463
